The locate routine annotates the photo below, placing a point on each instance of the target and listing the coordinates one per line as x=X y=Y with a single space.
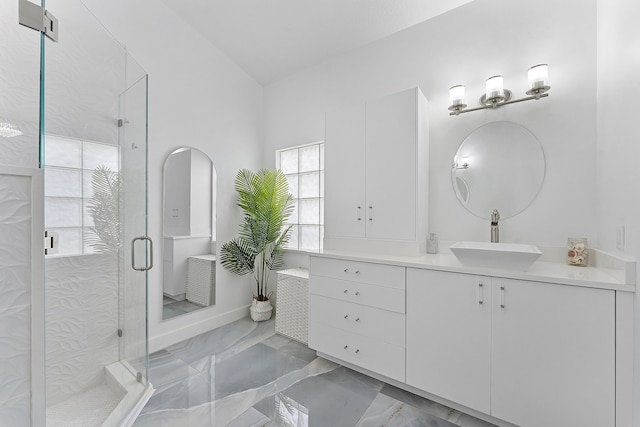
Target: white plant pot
x=260 y=310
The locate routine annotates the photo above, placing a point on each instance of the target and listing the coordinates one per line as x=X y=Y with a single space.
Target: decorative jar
x=577 y=251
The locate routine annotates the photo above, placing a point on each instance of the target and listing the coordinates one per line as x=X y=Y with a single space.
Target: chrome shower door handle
x=133 y=254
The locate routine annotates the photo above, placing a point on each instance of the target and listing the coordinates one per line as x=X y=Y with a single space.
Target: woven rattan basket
x=292 y=311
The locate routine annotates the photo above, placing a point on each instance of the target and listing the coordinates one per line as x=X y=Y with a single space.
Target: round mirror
x=189 y=262
x=498 y=166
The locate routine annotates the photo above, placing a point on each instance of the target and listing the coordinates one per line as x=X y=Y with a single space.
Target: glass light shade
x=538 y=76
x=494 y=87
x=456 y=95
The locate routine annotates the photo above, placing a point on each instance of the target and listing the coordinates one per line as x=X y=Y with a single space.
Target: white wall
x=618 y=141
x=197 y=98
x=464 y=47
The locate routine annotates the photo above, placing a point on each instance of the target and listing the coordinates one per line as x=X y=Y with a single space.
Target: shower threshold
x=116 y=402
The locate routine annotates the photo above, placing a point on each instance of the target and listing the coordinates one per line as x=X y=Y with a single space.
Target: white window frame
x=84 y=198
x=296 y=240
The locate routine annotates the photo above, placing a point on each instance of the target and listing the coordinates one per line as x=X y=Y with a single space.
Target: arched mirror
x=189 y=228
x=498 y=166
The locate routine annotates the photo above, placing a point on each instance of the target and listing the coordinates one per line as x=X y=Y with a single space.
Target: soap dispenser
x=432 y=243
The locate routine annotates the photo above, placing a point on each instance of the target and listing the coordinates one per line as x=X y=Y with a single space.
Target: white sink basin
x=508 y=256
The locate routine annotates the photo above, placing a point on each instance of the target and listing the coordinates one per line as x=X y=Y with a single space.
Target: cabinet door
x=553 y=355
x=345 y=172
x=449 y=336
x=391 y=156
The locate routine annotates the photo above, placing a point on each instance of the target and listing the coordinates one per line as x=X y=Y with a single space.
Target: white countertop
x=205 y=257
x=303 y=273
x=607 y=272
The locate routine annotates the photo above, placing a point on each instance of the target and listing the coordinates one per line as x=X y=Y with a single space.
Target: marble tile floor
x=172 y=308
x=245 y=375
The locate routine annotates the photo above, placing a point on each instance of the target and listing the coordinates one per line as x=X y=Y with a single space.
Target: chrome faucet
x=495 y=232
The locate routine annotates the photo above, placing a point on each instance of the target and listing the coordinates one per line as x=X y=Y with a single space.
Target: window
x=304 y=168
x=69 y=165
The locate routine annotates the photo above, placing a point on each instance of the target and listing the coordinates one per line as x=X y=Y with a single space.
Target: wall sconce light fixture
x=8 y=130
x=496 y=95
x=465 y=163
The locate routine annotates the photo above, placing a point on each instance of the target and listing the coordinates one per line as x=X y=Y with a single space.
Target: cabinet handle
x=480 y=293
x=358 y=216
x=370 y=213
x=357 y=350
x=346 y=270
x=502 y=303
x=346 y=292
x=346 y=316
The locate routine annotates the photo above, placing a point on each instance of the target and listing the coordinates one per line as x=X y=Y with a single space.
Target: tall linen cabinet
x=376 y=174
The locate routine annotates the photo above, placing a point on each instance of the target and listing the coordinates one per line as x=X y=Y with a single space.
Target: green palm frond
x=238 y=256
x=266 y=203
x=276 y=261
x=104 y=209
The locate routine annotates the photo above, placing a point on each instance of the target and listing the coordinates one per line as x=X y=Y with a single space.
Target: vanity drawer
x=356 y=271
x=383 y=325
x=369 y=353
x=360 y=293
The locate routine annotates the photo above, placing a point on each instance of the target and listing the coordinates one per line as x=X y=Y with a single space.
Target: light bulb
x=456 y=95
x=494 y=87
x=538 y=76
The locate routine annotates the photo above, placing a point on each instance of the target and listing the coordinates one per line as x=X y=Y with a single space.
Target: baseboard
x=163 y=340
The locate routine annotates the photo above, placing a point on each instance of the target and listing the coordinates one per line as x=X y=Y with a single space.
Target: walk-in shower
x=73 y=162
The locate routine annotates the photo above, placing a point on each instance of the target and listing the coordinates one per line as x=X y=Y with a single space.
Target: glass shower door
x=95 y=148
x=138 y=250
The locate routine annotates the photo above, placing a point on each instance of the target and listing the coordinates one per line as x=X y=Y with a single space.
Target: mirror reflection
x=498 y=166
x=189 y=262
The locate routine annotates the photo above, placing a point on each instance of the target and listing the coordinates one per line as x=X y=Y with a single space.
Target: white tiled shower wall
x=19 y=88
x=82 y=323
x=15 y=299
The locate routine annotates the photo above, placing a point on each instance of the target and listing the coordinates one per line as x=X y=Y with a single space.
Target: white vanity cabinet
x=530 y=353
x=553 y=354
x=344 y=178
x=449 y=336
x=357 y=314
x=376 y=169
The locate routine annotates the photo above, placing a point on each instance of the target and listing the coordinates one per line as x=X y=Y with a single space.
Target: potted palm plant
x=266 y=203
